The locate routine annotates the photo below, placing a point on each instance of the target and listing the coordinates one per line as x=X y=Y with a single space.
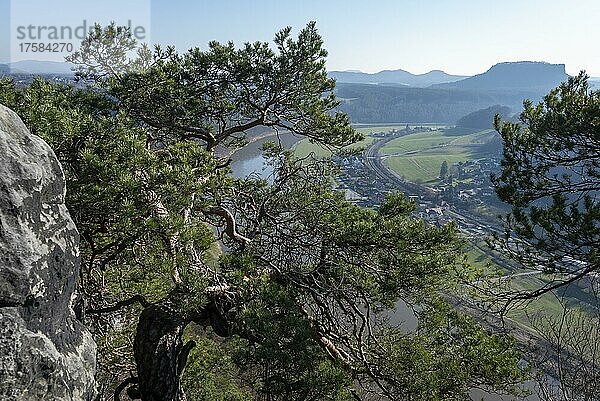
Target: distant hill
x=394 y=77
x=484 y=118
x=505 y=84
x=5 y=69
x=594 y=83
x=523 y=75
x=37 y=67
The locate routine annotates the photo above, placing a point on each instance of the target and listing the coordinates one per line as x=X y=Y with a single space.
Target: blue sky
x=4 y=29
x=460 y=36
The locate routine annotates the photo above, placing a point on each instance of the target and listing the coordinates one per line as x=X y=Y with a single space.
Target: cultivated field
x=418 y=157
x=305 y=147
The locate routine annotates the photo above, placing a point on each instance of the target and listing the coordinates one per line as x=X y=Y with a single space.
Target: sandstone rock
x=45 y=352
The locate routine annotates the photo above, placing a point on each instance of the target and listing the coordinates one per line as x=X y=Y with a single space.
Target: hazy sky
x=460 y=36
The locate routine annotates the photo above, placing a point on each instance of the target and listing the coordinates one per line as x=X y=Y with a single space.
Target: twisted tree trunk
x=159 y=351
x=160 y=354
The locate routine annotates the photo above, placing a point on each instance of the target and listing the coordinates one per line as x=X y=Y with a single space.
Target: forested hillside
x=484 y=118
x=378 y=104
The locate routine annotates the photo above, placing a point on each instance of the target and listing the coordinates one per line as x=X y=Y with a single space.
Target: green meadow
x=418 y=157
x=305 y=147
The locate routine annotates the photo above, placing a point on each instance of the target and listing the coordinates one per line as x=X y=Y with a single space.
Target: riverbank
x=249 y=160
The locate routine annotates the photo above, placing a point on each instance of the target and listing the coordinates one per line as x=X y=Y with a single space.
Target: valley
x=407 y=158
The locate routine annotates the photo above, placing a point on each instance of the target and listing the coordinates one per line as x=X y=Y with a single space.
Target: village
x=465 y=188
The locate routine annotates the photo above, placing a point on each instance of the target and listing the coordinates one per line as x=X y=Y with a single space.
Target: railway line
x=468 y=222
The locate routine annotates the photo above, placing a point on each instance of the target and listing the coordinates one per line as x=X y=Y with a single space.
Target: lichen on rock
x=45 y=352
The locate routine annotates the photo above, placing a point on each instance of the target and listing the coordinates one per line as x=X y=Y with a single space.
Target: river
x=249 y=159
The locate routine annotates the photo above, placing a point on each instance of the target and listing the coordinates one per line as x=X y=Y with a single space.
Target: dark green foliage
x=551 y=176
x=444 y=170
x=211 y=374
x=449 y=349
x=281 y=359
